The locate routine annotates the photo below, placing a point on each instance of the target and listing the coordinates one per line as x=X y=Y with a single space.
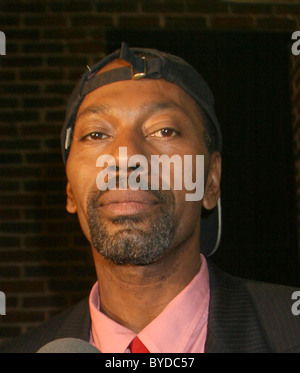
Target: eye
x=165 y=132
x=95 y=136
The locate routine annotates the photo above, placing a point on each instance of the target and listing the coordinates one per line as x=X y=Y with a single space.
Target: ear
x=212 y=187
x=71 y=205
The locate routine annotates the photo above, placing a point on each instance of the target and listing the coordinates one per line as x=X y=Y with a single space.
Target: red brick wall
x=45 y=263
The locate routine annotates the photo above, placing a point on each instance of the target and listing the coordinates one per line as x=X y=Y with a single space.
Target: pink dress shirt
x=180 y=328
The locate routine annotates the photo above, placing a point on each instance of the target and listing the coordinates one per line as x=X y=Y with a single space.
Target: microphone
x=68 y=345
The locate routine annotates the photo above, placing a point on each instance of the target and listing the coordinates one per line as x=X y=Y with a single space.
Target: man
x=157 y=290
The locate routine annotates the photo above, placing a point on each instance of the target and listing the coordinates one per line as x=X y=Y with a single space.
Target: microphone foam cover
x=68 y=345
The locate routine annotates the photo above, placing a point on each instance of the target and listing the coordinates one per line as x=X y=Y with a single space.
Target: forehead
x=131 y=95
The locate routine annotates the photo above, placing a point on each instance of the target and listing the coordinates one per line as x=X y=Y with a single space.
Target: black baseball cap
x=161 y=65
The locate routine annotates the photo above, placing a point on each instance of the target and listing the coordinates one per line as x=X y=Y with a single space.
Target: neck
x=134 y=295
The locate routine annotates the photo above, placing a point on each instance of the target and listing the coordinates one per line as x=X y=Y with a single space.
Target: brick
x=11 y=302
x=8 y=130
x=7 y=75
x=55 y=226
x=17 y=61
x=44 y=301
x=9 y=20
x=64 y=61
x=9 y=214
x=45 y=271
x=9 y=271
x=9 y=186
x=41 y=102
x=20 y=200
x=67 y=256
x=58 y=171
x=12 y=6
x=59 y=88
x=22 y=286
x=276 y=23
x=73 y=286
x=23 y=256
x=41 y=130
x=45 y=20
x=22 y=34
x=10 y=158
x=64 y=34
x=8 y=102
x=88 y=46
x=46 y=241
x=88 y=20
x=42 y=47
x=206 y=6
x=44 y=157
x=284 y=9
x=251 y=9
x=53 y=144
x=79 y=241
x=18 y=172
x=24 y=316
x=11 y=49
x=232 y=23
x=43 y=186
x=116 y=6
x=44 y=75
x=20 y=228
x=163 y=6
x=87 y=271
x=19 y=116
x=7 y=331
x=188 y=23
x=56 y=199
x=46 y=213
x=56 y=116
x=70 y=6
x=20 y=88
x=135 y=22
x=19 y=144
x=8 y=242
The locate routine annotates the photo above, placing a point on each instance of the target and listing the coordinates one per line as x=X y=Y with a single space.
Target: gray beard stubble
x=131 y=245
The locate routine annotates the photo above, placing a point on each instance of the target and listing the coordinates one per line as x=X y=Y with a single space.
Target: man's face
x=148 y=117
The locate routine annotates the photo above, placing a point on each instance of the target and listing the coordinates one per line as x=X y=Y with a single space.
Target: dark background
x=249 y=76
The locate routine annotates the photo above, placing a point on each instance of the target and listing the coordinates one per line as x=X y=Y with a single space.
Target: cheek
x=82 y=180
x=187 y=215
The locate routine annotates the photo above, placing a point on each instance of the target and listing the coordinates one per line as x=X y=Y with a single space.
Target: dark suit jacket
x=244 y=316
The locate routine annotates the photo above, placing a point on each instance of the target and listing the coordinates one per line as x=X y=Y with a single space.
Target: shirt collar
x=181 y=325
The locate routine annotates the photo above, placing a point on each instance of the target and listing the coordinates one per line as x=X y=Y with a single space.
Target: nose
x=127 y=144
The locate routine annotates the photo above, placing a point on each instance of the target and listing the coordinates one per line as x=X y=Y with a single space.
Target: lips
x=127 y=202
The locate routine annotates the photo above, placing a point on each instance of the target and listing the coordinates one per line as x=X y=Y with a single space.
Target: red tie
x=136 y=346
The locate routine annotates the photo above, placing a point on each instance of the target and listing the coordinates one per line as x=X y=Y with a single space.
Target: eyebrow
x=94 y=109
x=147 y=108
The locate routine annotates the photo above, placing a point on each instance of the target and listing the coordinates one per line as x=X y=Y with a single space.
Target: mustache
x=164 y=197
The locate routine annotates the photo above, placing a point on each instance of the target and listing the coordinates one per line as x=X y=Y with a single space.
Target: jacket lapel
x=232 y=321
